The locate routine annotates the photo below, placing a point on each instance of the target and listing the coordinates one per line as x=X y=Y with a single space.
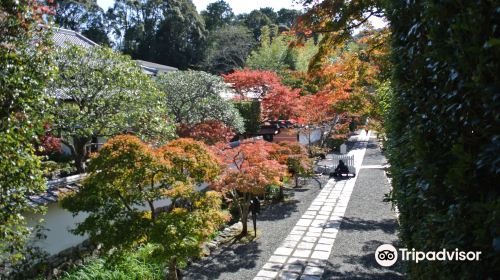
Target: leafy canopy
x=209 y=132
x=126 y=183
x=217 y=15
x=25 y=68
x=227 y=49
x=277 y=101
x=102 y=93
x=181 y=36
x=249 y=169
x=195 y=96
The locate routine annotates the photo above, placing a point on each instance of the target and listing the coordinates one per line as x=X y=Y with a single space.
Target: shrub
x=443 y=132
x=442 y=125
x=250 y=112
x=136 y=264
x=273 y=192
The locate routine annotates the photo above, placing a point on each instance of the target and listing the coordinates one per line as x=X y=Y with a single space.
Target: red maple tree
x=209 y=132
x=277 y=101
x=48 y=142
x=250 y=168
x=252 y=83
x=280 y=103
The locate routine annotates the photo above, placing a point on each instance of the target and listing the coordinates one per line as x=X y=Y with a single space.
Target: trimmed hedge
x=250 y=111
x=444 y=132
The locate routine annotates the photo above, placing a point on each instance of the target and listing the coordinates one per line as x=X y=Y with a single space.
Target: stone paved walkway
x=368 y=223
x=305 y=251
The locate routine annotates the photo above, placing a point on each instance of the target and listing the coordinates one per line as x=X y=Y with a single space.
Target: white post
x=343 y=149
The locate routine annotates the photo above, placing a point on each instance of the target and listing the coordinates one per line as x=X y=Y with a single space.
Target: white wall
x=315 y=136
x=58 y=221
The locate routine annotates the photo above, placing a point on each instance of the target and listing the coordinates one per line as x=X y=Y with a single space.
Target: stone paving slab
x=235 y=261
x=304 y=252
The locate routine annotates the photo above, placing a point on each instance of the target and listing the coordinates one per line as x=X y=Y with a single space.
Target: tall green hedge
x=444 y=132
x=250 y=111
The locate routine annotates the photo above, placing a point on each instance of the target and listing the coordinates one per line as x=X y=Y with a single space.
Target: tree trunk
x=80 y=153
x=281 y=195
x=296 y=180
x=244 y=218
x=172 y=269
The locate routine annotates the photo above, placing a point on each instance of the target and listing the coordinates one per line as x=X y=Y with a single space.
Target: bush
x=52 y=169
x=443 y=132
x=132 y=265
x=49 y=166
x=318 y=152
x=272 y=192
x=334 y=143
x=250 y=111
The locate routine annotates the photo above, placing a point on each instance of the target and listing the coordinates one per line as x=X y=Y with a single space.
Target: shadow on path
x=278 y=211
x=366 y=266
x=357 y=224
x=230 y=259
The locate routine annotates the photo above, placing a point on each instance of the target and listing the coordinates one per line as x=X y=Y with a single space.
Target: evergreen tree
x=217 y=15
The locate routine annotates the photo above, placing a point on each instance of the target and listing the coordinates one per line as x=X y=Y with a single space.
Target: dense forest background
x=173 y=32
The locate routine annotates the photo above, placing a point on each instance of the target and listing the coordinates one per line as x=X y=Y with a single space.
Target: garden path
x=328 y=233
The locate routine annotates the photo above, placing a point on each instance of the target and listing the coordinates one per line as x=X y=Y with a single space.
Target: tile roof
x=55 y=188
x=62 y=37
x=158 y=68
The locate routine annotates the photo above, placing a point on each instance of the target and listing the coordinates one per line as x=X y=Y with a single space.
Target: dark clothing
x=255 y=209
x=341 y=169
x=255 y=206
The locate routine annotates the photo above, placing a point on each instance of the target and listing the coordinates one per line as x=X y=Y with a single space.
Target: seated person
x=341 y=169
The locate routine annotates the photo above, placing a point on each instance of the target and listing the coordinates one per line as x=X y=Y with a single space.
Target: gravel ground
x=243 y=261
x=368 y=223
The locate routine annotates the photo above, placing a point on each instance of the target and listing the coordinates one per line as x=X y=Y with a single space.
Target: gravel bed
x=368 y=223
x=243 y=261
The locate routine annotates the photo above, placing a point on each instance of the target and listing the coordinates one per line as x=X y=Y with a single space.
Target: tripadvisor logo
x=387 y=255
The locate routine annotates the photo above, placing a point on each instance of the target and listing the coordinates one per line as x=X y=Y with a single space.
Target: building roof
x=55 y=188
x=158 y=68
x=62 y=37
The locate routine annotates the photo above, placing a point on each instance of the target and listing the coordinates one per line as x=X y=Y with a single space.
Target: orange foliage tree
x=280 y=103
x=209 y=132
x=252 y=83
x=250 y=168
x=125 y=183
x=360 y=64
x=315 y=112
x=294 y=156
x=344 y=80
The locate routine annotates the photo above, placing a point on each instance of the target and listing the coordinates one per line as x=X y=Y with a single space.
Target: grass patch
x=244 y=239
